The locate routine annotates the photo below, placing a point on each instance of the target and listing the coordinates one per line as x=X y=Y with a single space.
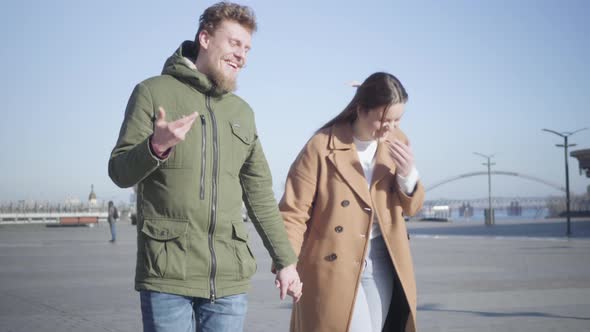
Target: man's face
x=224 y=53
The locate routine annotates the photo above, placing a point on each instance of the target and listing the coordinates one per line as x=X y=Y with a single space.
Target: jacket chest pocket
x=242 y=137
x=185 y=153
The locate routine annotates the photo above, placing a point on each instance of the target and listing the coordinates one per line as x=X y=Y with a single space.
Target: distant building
x=72 y=201
x=466 y=210
x=583 y=157
x=514 y=209
x=92 y=203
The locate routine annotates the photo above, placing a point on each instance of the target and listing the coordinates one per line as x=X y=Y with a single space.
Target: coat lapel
x=345 y=159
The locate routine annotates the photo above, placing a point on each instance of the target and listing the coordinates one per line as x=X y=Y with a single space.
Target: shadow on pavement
x=437 y=307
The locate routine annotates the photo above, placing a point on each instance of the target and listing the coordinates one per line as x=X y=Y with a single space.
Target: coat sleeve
x=411 y=204
x=256 y=181
x=132 y=159
x=300 y=191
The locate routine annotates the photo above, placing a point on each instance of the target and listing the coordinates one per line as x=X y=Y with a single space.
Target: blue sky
x=482 y=76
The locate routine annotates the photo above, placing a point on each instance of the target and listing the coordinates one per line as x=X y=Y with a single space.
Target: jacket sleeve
x=132 y=159
x=256 y=181
x=411 y=204
x=300 y=190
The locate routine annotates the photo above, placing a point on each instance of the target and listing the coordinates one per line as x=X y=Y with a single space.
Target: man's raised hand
x=168 y=134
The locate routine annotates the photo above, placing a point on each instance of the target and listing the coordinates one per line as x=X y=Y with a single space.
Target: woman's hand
x=402 y=155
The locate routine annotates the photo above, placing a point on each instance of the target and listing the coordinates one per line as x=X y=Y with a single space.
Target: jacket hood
x=181 y=65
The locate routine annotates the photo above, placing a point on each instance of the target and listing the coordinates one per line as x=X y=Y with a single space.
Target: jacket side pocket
x=165 y=248
x=247 y=263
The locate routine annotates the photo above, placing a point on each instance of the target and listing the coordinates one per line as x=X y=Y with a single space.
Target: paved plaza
x=513 y=276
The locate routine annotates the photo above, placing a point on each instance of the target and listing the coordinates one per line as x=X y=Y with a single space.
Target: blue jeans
x=113 y=231
x=375 y=290
x=162 y=312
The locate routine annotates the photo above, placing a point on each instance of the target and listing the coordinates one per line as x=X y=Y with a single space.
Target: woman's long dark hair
x=377 y=90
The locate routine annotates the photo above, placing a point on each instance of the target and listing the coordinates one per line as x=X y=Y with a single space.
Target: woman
x=343 y=206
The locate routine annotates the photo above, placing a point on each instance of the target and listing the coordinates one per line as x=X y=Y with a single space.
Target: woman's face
x=370 y=124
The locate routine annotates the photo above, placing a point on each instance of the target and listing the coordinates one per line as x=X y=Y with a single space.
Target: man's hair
x=225 y=11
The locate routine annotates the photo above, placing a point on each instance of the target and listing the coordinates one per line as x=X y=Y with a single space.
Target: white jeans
x=375 y=289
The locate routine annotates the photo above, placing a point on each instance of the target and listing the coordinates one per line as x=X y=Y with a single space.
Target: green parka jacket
x=191 y=239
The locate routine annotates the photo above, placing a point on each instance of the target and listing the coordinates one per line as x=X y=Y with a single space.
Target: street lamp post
x=489 y=218
x=565 y=146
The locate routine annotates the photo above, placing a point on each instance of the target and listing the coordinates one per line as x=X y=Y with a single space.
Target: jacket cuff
x=159 y=159
x=289 y=260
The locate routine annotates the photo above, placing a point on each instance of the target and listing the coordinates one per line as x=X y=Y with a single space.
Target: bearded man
x=192 y=148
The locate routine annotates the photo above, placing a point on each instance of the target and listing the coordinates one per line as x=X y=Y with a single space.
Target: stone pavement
x=514 y=276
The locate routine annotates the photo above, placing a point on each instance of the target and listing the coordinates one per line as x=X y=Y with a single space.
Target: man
x=192 y=148
x=112 y=217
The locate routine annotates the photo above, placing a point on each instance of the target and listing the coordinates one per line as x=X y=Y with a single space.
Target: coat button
x=331 y=258
x=339 y=229
x=345 y=203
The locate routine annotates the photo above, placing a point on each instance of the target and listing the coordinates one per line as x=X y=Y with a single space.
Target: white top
x=366 y=152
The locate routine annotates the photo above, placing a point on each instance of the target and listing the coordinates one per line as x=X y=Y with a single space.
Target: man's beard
x=223 y=82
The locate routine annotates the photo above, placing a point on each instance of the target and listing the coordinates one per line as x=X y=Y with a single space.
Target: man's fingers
x=295 y=286
x=184 y=128
x=183 y=125
x=161 y=114
x=295 y=290
x=284 y=289
x=185 y=121
x=277 y=284
x=298 y=292
x=192 y=116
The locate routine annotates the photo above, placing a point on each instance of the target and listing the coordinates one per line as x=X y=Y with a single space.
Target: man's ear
x=204 y=39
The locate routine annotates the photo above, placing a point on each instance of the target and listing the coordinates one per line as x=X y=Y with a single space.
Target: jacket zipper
x=203 y=154
x=213 y=201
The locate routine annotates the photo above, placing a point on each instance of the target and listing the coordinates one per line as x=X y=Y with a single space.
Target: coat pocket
x=246 y=262
x=242 y=138
x=165 y=248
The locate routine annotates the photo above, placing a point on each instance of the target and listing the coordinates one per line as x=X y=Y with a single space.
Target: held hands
x=168 y=134
x=288 y=282
x=402 y=155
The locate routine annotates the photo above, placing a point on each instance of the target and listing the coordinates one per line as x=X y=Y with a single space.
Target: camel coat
x=328 y=211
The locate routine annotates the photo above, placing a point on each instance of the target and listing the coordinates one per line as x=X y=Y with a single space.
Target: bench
x=70 y=221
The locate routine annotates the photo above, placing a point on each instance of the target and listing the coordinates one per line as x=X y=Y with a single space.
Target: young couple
x=337 y=238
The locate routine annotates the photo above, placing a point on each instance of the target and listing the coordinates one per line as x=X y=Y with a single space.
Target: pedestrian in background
x=112 y=219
